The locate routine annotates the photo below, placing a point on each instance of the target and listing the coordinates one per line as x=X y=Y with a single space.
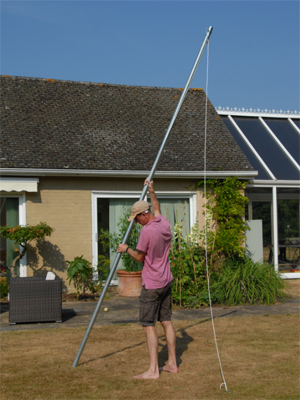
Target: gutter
x=125 y=173
x=270 y=183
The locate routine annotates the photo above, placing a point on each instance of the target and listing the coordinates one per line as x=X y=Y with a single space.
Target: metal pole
x=152 y=172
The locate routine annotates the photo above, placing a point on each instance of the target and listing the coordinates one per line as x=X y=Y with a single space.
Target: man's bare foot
x=167 y=368
x=147 y=375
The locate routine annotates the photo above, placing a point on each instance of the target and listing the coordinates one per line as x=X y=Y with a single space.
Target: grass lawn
x=259 y=354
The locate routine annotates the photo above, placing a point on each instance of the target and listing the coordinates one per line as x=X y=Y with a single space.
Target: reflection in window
x=288 y=234
x=267 y=148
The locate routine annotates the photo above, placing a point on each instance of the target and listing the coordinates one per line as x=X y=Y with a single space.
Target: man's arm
x=154 y=202
x=137 y=255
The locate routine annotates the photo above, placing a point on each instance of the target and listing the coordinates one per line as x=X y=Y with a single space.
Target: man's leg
x=171 y=365
x=152 y=342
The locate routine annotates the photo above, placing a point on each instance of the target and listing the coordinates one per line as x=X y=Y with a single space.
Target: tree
x=22 y=236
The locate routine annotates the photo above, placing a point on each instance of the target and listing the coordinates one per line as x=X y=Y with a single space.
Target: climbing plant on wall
x=226 y=226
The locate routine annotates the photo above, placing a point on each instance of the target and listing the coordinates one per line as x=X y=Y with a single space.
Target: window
x=284 y=226
x=109 y=207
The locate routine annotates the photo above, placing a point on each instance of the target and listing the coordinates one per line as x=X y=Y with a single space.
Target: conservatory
x=271 y=142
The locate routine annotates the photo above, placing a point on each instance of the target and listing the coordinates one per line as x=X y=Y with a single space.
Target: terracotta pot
x=130 y=283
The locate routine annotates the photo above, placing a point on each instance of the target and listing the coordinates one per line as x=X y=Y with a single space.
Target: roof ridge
x=253 y=111
x=93 y=83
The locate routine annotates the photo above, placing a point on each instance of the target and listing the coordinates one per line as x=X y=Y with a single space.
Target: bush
x=188 y=268
x=80 y=271
x=240 y=280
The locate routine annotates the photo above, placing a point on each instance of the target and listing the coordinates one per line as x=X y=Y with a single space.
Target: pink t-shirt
x=155 y=241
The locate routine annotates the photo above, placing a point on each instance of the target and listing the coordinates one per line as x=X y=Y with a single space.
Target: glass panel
x=262 y=174
x=9 y=216
x=287 y=135
x=297 y=122
x=117 y=209
x=262 y=210
x=288 y=231
x=109 y=213
x=102 y=223
x=267 y=148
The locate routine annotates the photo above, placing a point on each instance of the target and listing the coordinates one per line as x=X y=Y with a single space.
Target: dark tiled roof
x=48 y=124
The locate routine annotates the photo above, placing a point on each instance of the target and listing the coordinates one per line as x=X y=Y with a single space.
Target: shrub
x=80 y=271
x=188 y=268
x=243 y=281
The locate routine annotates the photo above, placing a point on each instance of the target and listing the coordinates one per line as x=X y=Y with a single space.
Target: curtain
x=176 y=211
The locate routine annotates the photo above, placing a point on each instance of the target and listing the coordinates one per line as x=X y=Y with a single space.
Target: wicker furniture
x=35 y=299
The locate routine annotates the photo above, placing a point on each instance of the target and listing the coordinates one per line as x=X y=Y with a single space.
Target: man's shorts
x=155 y=305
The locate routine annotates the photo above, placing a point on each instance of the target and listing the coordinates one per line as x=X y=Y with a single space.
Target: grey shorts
x=155 y=305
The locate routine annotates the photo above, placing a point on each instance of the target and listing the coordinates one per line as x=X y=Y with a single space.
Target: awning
x=19 y=184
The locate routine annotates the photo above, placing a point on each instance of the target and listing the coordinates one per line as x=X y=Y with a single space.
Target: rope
x=205 y=228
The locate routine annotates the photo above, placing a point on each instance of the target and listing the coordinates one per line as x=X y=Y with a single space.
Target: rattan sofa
x=35 y=299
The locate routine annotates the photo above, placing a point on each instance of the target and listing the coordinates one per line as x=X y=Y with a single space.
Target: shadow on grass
x=182 y=343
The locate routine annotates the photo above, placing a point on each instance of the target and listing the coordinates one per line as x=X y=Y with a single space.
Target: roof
x=271 y=141
x=55 y=125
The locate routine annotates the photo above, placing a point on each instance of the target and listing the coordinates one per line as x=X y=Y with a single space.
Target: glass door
x=9 y=215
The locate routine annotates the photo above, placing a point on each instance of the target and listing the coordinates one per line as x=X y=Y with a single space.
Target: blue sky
x=253 y=52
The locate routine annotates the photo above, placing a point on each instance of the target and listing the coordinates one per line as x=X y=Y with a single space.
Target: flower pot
x=130 y=283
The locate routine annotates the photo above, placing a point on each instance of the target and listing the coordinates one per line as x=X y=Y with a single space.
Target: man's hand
x=150 y=185
x=154 y=202
x=122 y=248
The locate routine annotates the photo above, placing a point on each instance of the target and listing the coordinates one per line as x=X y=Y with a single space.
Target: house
x=74 y=153
x=271 y=141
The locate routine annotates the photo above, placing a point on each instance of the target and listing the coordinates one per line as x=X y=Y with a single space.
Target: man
x=155 y=300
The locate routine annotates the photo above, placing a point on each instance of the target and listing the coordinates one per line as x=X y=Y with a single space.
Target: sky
x=252 y=59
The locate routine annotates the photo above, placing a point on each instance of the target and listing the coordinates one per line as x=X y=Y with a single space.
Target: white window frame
x=22 y=221
x=95 y=195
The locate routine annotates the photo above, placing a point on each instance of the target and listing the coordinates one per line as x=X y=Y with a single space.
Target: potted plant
x=130 y=273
